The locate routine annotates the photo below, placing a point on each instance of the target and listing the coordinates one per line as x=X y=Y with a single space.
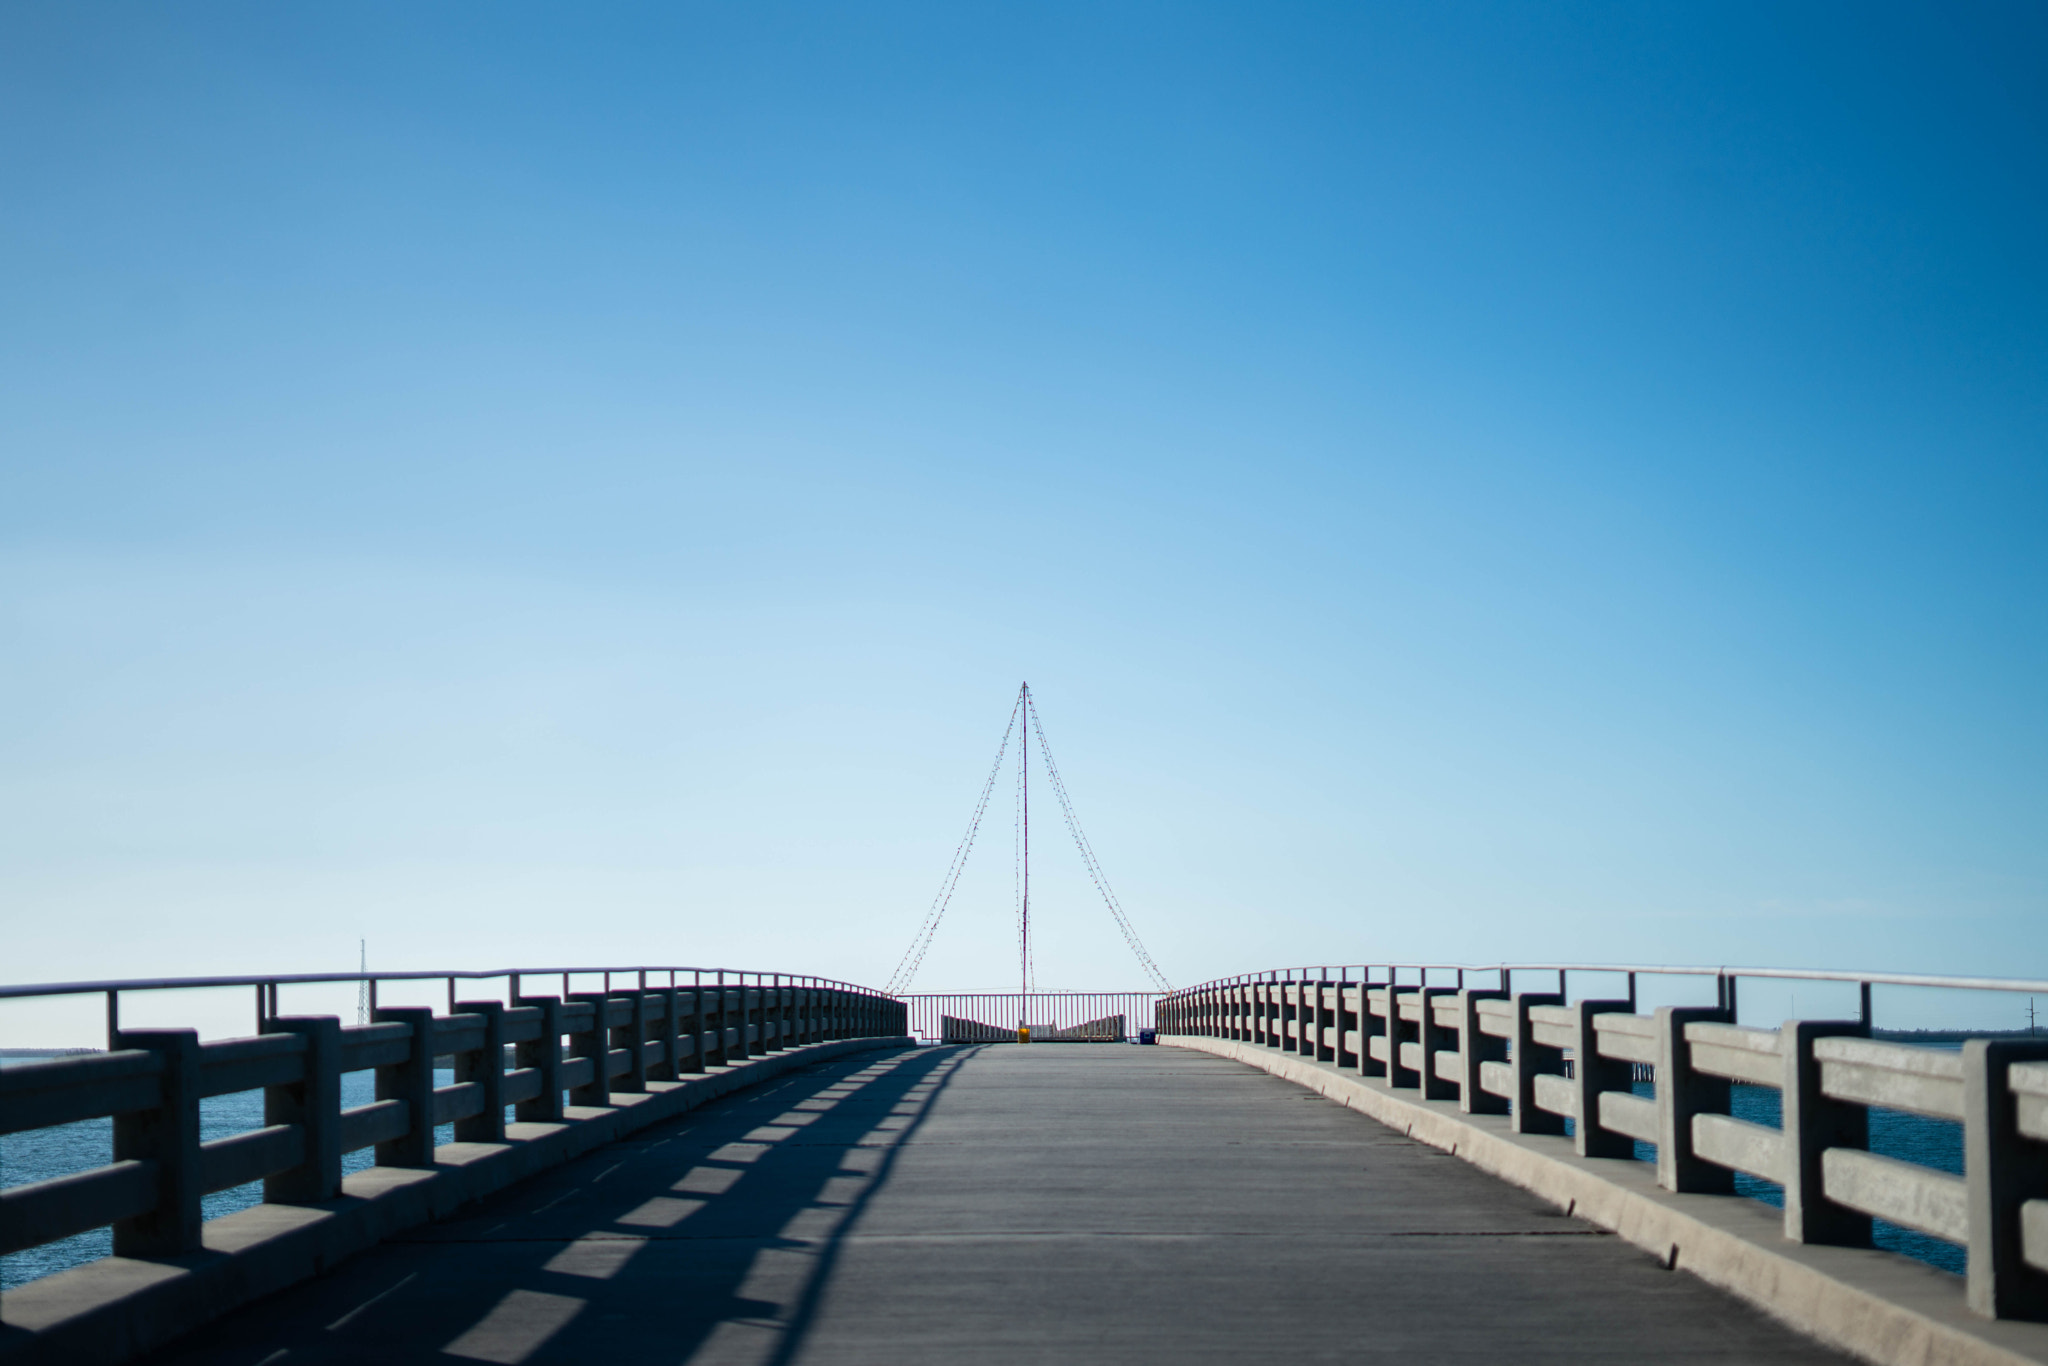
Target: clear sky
x=531 y=483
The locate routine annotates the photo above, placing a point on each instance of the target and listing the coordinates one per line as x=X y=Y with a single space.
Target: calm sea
x=41 y=1154
x=1936 y=1143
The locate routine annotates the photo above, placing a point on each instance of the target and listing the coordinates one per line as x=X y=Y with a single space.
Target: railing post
x=701 y=1051
x=486 y=1067
x=2001 y=1171
x=1326 y=1044
x=1399 y=1073
x=1592 y=1074
x=168 y=1136
x=670 y=1068
x=593 y=1043
x=732 y=1037
x=1476 y=1048
x=313 y=1103
x=1532 y=1060
x=411 y=1081
x=635 y=1041
x=1812 y=1124
x=1341 y=1053
x=1681 y=1094
x=1429 y=1035
x=543 y=1055
x=1373 y=1026
x=738 y=1045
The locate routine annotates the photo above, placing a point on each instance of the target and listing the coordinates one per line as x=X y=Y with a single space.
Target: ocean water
x=1936 y=1143
x=41 y=1154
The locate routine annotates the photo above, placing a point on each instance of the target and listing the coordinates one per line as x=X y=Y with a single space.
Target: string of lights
x=1088 y=858
x=913 y=957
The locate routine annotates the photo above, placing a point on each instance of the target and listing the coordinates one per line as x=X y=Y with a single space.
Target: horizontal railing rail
x=1552 y=1064
x=539 y=1056
x=2022 y=985
x=267 y=985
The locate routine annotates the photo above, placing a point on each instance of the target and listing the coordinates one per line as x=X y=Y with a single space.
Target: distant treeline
x=1951 y=1035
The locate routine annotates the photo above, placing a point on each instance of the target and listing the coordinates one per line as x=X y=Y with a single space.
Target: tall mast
x=1024 y=937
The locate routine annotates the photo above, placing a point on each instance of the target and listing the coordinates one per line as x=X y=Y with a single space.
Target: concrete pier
x=1007 y=1205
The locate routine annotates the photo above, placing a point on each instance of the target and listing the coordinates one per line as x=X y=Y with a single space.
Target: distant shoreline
x=1952 y=1035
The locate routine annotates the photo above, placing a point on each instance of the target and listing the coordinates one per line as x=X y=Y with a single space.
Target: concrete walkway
x=997 y=1204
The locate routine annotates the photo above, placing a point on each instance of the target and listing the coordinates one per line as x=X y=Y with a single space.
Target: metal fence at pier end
x=1051 y=1016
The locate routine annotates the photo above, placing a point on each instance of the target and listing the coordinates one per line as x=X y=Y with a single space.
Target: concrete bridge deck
x=999 y=1204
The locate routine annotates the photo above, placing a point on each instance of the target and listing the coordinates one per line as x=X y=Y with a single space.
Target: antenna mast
x=1024 y=922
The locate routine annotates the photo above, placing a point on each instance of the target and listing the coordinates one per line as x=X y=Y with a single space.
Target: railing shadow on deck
x=748 y=1183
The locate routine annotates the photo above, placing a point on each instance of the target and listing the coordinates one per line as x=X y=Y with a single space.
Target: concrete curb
x=1878 y=1306
x=117 y=1308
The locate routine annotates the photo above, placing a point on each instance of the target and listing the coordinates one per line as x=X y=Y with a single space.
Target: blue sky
x=1464 y=481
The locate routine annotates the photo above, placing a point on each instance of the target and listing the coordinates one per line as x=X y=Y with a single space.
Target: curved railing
x=1551 y=1058
x=567 y=1050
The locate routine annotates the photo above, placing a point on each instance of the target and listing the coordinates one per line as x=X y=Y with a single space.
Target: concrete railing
x=566 y=1051
x=1541 y=1060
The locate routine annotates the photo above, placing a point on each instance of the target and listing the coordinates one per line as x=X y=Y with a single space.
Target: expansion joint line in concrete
x=1878 y=1306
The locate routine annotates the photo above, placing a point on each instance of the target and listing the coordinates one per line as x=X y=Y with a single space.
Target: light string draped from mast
x=913 y=957
x=1116 y=909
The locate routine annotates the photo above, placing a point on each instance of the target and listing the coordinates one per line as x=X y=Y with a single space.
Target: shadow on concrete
x=714 y=1234
x=805 y=1312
